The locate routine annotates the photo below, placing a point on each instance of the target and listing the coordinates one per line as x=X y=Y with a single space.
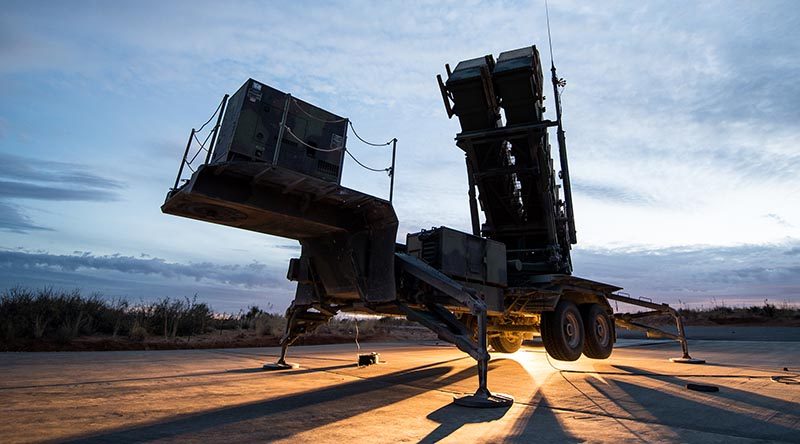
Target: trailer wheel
x=506 y=342
x=598 y=326
x=562 y=331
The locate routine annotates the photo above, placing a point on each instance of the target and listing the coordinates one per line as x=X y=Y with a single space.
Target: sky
x=681 y=120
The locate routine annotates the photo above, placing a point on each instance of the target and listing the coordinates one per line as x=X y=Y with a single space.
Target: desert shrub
x=769 y=309
x=269 y=324
x=63 y=316
x=137 y=332
x=346 y=326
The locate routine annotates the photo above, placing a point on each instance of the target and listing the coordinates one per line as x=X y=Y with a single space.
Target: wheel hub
x=602 y=330
x=571 y=330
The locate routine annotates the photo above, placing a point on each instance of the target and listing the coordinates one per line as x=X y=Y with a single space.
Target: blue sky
x=681 y=118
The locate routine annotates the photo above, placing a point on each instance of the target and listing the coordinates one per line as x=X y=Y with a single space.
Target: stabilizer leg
x=629 y=321
x=483 y=398
x=449 y=328
x=299 y=321
x=289 y=336
x=685 y=359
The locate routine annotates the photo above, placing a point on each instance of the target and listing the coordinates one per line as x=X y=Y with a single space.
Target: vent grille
x=430 y=250
x=327 y=168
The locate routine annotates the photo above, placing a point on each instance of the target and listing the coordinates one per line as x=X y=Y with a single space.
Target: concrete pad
x=224 y=396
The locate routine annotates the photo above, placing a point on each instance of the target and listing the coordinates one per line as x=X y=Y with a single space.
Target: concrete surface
x=223 y=396
x=727 y=333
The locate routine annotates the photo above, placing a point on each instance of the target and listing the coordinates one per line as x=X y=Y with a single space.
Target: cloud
x=792 y=251
x=779 y=220
x=612 y=193
x=26 y=169
x=228 y=287
x=24 y=178
x=248 y=275
x=13 y=220
x=698 y=274
x=20 y=190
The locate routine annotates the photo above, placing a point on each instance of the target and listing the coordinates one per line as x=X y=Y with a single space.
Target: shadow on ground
x=312 y=409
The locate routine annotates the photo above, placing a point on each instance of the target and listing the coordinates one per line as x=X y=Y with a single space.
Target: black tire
x=562 y=331
x=506 y=342
x=599 y=330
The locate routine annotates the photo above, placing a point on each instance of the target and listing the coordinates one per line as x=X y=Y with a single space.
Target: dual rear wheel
x=506 y=342
x=569 y=331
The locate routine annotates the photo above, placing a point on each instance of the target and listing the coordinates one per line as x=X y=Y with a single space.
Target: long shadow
x=452 y=417
x=683 y=413
x=539 y=423
x=534 y=422
x=347 y=400
x=739 y=396
x=258 y=370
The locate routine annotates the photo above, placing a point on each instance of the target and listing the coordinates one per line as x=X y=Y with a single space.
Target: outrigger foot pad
x=687 y=360
x=485 y=401
x=280 y=366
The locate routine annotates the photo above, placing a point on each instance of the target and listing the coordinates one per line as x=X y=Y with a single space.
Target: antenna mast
x=562 y=142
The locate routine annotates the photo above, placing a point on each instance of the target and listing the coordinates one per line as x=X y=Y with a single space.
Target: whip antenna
x=562 y=141
x=549 y=37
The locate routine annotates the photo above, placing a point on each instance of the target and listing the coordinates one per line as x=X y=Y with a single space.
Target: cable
x=202 y=145
x=377 y=170
x=787 y=379
x=357 y=344
x=210 y=118
x=368 y=143
x=297 y=104
x=289 y=130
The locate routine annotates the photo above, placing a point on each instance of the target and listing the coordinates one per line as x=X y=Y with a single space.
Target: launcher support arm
x=627 y=320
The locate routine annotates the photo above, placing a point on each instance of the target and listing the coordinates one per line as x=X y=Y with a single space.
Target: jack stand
x=685 y=359
x=281 y=364
x=688 y=360
x=288 y=338
x=627 y=320
x=483 y=398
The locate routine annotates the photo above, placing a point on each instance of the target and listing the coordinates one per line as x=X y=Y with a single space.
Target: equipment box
x=312 y=142
x=460 y=255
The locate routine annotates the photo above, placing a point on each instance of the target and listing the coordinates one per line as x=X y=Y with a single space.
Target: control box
x=461 y=256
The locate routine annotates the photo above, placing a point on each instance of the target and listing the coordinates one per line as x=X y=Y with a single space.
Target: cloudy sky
x=681 y=118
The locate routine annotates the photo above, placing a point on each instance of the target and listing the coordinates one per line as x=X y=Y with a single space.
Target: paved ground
x=223 y=396
x=728 y=333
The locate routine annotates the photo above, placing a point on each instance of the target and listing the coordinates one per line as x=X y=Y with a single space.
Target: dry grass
x=48 y=319
x=721 y=314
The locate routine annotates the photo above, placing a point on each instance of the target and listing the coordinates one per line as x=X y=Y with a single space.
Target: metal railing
x=209 y=143
x=212 y=135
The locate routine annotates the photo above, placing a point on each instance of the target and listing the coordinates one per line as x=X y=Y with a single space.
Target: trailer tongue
x=277 y=171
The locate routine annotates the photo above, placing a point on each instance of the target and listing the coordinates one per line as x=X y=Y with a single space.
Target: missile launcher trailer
x=277 y=170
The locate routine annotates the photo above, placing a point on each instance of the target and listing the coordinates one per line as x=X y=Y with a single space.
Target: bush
x=137 y=332
x=269 y=324
x=63 y=316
